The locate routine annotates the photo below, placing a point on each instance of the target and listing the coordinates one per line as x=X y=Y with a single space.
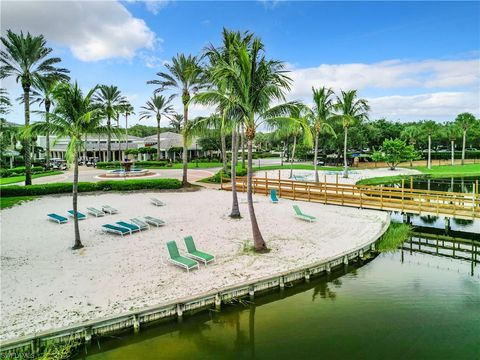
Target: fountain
x=128 y=171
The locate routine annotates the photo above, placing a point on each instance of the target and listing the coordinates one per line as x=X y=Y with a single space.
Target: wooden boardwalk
x=402 y=199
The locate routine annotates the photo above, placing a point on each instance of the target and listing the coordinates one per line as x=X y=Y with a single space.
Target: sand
x=46 y=285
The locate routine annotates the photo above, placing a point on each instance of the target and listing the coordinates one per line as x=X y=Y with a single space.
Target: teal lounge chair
x=300 y=215
x=95 y=212
x=130 y=226
x=142 y=224
x=177 y=259
x=154 y=221
x=194 y=253
x=57 y=218
x=80 y=216
x=273 y=196
x=120 y=230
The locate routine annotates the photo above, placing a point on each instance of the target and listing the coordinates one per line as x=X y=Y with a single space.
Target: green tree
x=394 y=151
x=411 y=134
x=452 y=131
x=74 y=117
x=465 y=121
x=320 y=117
x=126 y=109
x=5 y=103
x=110 y=100
x=157 y=106
x=186 y=76
x=429 y=128
x=27 y=58
x=351 y=110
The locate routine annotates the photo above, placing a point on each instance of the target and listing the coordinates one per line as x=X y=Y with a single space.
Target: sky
x=410 y=60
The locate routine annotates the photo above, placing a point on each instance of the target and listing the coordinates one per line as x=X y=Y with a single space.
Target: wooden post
x=438 y=204
x=336 y=183
x=266 y=184
x=411 y=183
x=308 y=187
x=381 y=197
x=403 y=187
x=293 y=187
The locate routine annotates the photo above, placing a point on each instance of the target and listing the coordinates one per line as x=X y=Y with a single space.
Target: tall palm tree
x=110 y=100
x=411 y=133
x=453 y=132
x=27 y=58
x=186 y=76
x=351 y=110
x=157 y=106
x=126 y=109
x=465 y=121
x=74 y=117
x=320 y=117
x=5 y=103
x=176 y=121
x=429 y=127
x=253 y=83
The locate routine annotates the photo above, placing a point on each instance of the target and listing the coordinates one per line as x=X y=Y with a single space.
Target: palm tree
x=27 y=58
x=253 y=82
x=127 y=109
x=157 y=106
x=74 y=117
x=187 y=77
x=5 y=103
x=453 y=132
x=176 y=121
x=110 y=100
x=465 y=121
x=352 y=110
x=411 y=133
x=429 y=127
x=320 y=117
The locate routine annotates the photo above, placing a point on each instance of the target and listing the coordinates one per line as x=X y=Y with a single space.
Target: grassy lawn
x=16 y=179
x=7 y=202
x=435 y=172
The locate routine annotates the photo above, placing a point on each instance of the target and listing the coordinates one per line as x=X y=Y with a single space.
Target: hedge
x=20 y=170
x=110 y=185
x=144 y=164
x=446 y=155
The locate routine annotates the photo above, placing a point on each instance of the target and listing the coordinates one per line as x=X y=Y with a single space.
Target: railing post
x=308 y=187
x=266 y=184
x=381 y=197
x=293 y=187
x=411 y=183
x=336 y=183
x=403 y=187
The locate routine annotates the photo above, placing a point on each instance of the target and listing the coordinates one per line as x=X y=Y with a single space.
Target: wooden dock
x=403 y=199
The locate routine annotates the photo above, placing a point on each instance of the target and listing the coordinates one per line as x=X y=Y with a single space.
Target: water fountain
x=128 y=170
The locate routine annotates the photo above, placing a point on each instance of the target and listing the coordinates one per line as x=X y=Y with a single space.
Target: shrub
x=109 y=185
x=142 y=164
x=20 y=170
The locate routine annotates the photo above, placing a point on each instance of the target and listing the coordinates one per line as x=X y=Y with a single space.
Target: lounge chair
x=57 y=218
x=273 y=196
x=140 y=223
x=109 y=209
x=177 y=259
x=80 y=216
x=95 y=212
x=300 y=215
x=120 y=230
x=154 y=221
x=132 y=227
x=194 y=253
x=157 y=202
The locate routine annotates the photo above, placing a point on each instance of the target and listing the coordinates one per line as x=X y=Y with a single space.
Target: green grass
x=8 y=202
x=296 y=167
x=433 y=173
x=193 y=165
x=396 y=234
x=16 y=179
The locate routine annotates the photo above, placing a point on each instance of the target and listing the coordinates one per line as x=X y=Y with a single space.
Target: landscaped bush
x=110 y=185
x=20 y=170
x=220 y=175
x=264 y=155
x=142 y=164
x=446 y=155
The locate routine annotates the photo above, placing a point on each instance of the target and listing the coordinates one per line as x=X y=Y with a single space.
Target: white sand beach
x=44 y=284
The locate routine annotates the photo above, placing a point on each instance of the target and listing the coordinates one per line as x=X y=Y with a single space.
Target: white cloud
x=93 y=30
x=387 y=75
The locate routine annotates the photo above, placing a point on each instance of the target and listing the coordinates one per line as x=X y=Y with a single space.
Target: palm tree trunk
x=185 y=148
x=315 y=157
x=345 y=163
x=224 y=149
x=78 y=243
x=429 y=160
x=47 y=136
x=242 y=138
x=282 y=153
x=235 y=208
x=27 y=143
x=158 y=138
x=258 y=241
x=464 y=140
x=452 y=142
x=293 y=155
x=109 y=145
x=126 y=132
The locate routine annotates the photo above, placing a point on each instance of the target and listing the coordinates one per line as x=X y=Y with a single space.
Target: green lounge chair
x=154 y=221
x=109 y=209
x=177 y=259
x=120 y=230
x=142 y=224
x=95 y=212
x=57 y=218
x=273 y=196
x=157 y=202
x=80 y=216
x=194 y=253
x=132 y=227
x=300 y=215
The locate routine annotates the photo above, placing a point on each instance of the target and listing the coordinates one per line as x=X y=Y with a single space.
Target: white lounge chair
x=140 y=223
x=109 y=209
x=95 y=212
x=154 y=221
x=120 y=230
x=157 y=202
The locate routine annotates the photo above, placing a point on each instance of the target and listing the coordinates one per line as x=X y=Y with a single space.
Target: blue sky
x=411 y=60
